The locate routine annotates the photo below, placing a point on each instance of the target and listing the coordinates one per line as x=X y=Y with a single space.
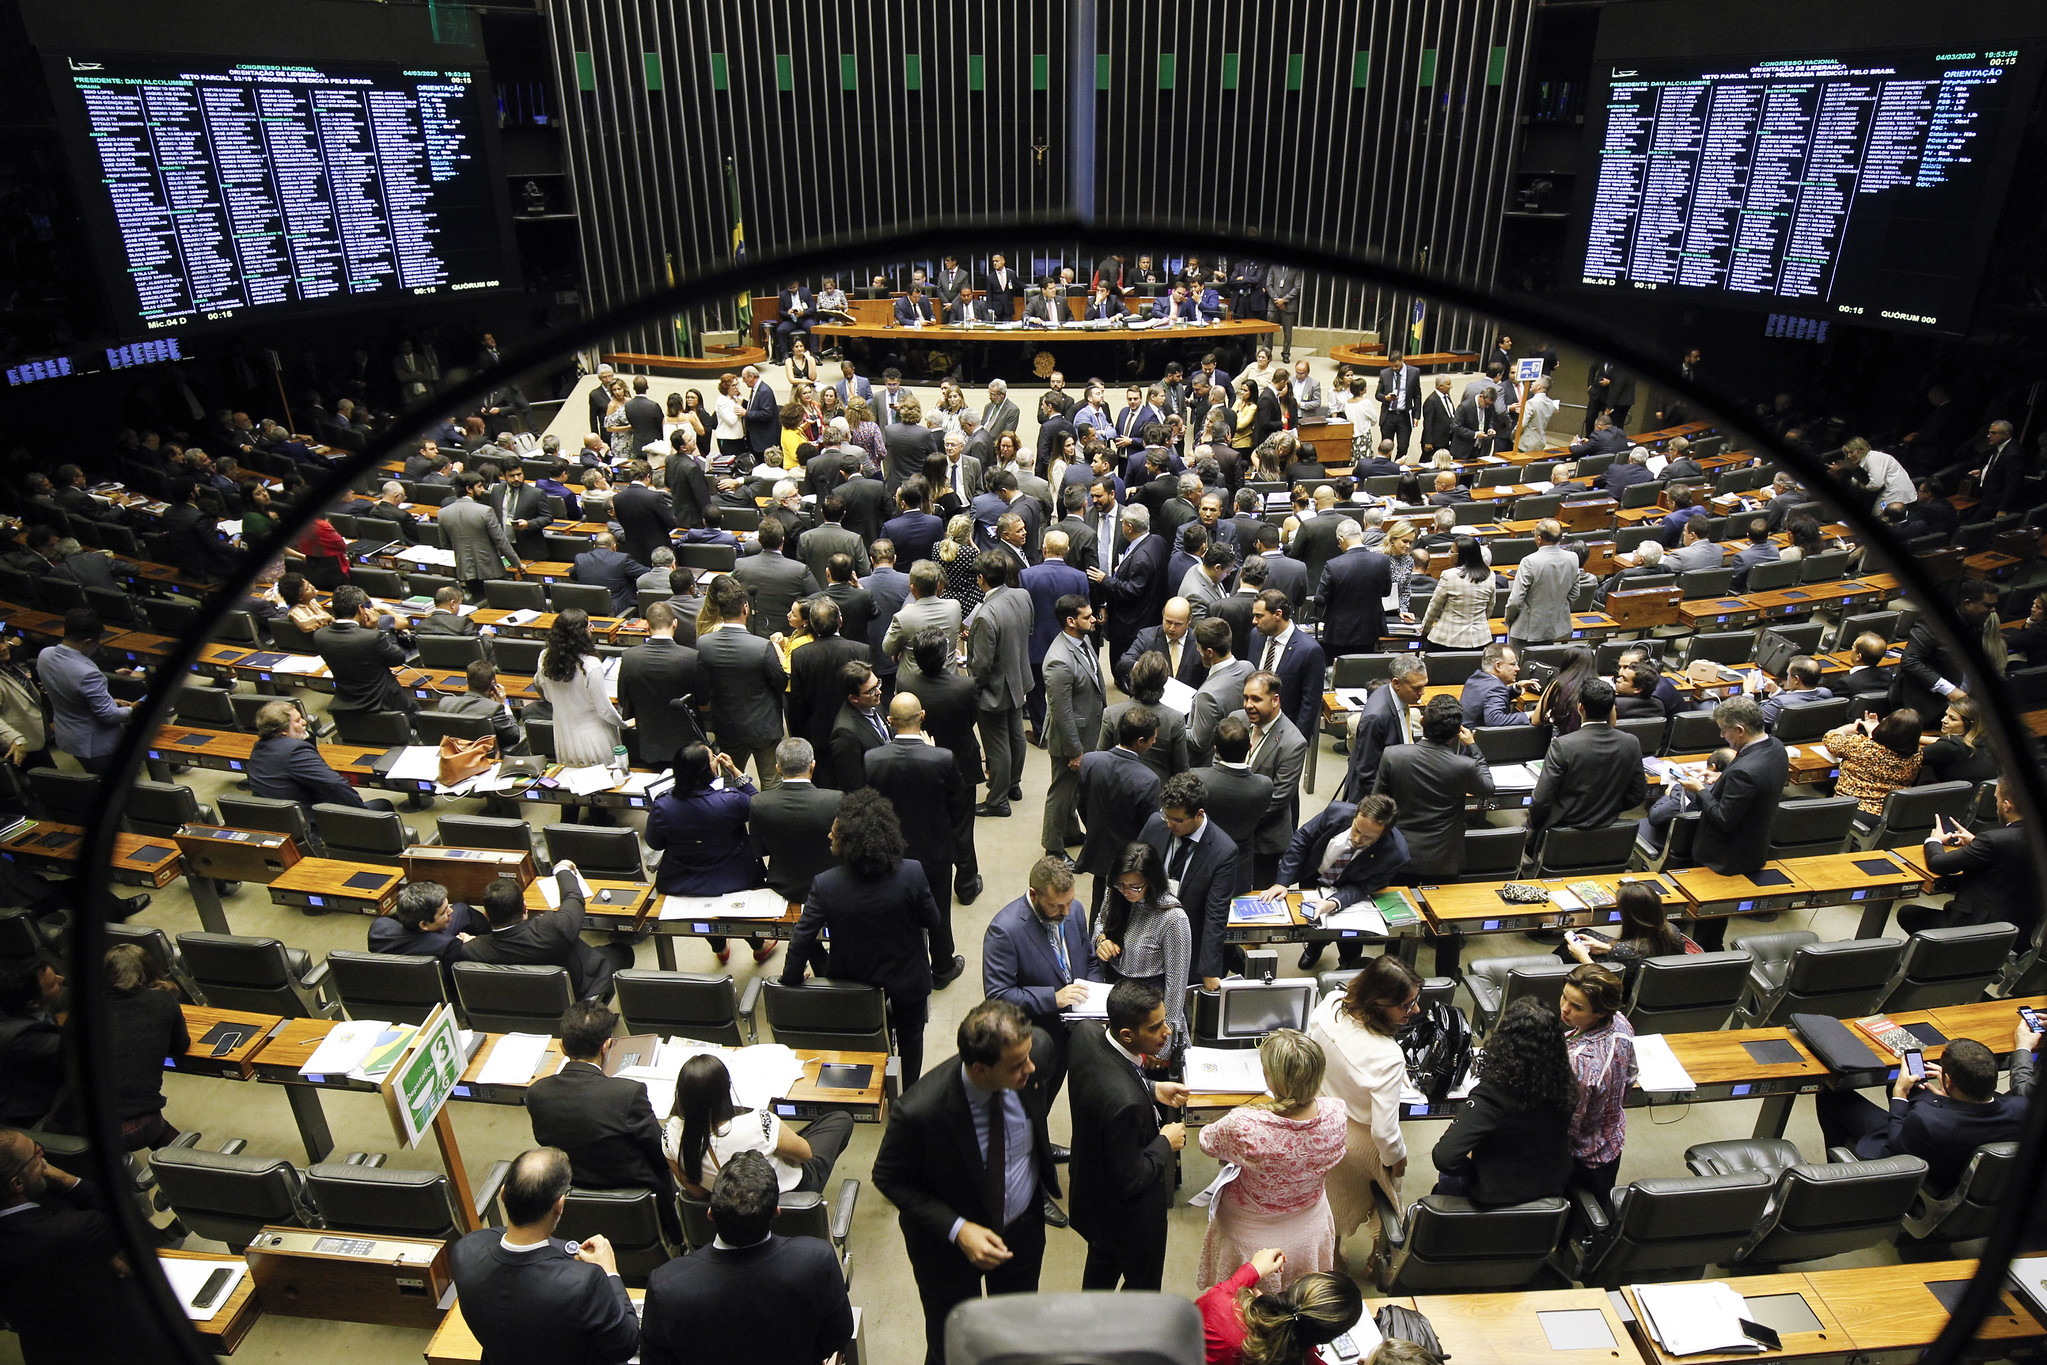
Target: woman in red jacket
x=1244 y=1328
x=326 y=555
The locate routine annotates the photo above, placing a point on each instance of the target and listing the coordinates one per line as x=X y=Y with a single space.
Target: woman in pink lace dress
x=1283 y=1147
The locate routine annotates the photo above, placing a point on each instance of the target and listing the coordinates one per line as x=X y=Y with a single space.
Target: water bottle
x=618 y=763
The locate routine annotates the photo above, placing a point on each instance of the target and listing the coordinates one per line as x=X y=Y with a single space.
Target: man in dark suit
x=935 y=807
x=2001 y=480
x=285 y=764
x=913 y=309
x=772 y=580
x=1603 y=438
x=1735 y=808
x=689 y=492
x=798 y=314
x=1352 y=595
x=1344 y=855
x=599 y=399
x=1473 y=428
x=1383 y=722
x=1170 y=637
x=1133 y=578
x=998 y=657
x=645 y=515
x=1590 y=775
x=1123 y=1159
x=1282 y=571
x=604 y=565
x=1992 y=871
x=791 y=824
x=360 y=651
x=887 y=588
x=195 y=545
x=1294 y=656
x=549 y=938
x=1438 y=418
x=1279 y=751
x=817 y=685
x=645 y=415
x=914 y=530
x=1053 y=429
x=531 y=1300
x=950 y=718
x=1430 y=781
x=1400 y=397
x=1052 y=578
x=1928 y=675
x=1036 y=956
x=1622 y=475
x=857 y=725
x=866 y=501
x=425 y=923
x=1490 y=692
x=750 y=1295
x=970 y=1192
x=1609 y=392
x=1201 y=870
x=763 y=412
x=1942 y=1118
x=745 y=680
x=1118 y=793
x=606 y=1124
x=66 y=1288
x=388 y=509
x=1237 y=799
x=877 y=913
x=658 y=685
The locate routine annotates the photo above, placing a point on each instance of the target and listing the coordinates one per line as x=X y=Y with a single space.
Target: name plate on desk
x=236 y=855
x=342 y=1277
x=466 y=871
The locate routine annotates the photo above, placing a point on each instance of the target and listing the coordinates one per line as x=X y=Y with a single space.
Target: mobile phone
x=1345 y=1348
x=2031 y=1018
x=209 y=1293
x=228 y=1043
x=1915 y=1062
x=1755 y=1331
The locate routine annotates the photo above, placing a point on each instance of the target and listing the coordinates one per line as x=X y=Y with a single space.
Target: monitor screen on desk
x=1254 y=1009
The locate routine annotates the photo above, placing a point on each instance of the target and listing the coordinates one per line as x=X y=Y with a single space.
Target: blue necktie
x=1059 y=947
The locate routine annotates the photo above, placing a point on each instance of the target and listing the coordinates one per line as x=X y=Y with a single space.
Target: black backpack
x=1437 y=1046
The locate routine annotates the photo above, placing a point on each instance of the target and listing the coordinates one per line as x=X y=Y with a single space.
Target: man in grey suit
x=745 y=680
x=1473 y=429
x=1205 y=584
x=1000 y=414
x=999 y=657
x=1430 y=780
x=1283 y=295
x=772 y=581
x=926 y=607
x=963 y=472
x=1280 y=752
x=473 y=532
x=1539 y=604
x=1237 y=797
x=1074 y=701
x=791 y=826
x=830 y=538
x=1222 y=692
x=1589 y=776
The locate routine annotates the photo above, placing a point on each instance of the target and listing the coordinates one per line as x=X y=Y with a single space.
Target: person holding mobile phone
x=2025 y=1044
x=1990 y=871
x=1941 y=1118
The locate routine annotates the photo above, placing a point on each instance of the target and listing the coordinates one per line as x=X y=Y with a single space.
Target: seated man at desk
x=606 y=1124
x=1345 y=855
x=425 y=923
x=1801 y=685
x=1489 y=693
x=1992 y=874
x=1941 y=1119
x=286 y=765
x=549 y=938
x=486 y=697
x=526 y=1296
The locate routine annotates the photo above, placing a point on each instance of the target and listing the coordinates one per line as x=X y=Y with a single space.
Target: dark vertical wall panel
x=1394 y=165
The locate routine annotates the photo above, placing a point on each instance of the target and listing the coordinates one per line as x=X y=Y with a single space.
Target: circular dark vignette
x=943 y=234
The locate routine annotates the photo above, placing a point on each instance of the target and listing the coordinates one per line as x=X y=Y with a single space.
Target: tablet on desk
x=151 y=854
x=366 y=881
x=844 y=1076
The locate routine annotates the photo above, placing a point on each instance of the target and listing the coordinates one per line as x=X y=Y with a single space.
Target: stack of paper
x=1364 y=915
x=426 y=554
x=1693 y=1319
x=759 y=903
x=344 y=1048
x=417 y=763
x=551 y=889
x=1258 y=910
x=514 y=1060
x=1225 y=1071
x=1515 y=776
x=309 y=665
x=1658 y=1071
x=482 y=784
x=762 y=1073
x=1096 y=1006
x=584 y=781
x=1179 y=696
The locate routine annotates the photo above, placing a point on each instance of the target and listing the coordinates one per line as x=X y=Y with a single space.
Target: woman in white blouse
x=1260 y=368
x=731 y=429
x=706 y=1128
x=1368 y=1073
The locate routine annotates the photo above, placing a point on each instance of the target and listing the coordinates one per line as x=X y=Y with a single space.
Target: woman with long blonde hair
x=1283 y=1146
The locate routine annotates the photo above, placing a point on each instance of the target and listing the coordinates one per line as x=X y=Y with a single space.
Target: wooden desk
x=332 y=884
x=1889 y=1312
x=1989 y=1022
x=1775 y=887
x=139 y=859
x=1506 y=1329
x=232 y=1320
x=1301 y=928
x=953 y=335
x=471 y=1088
x=1830 y=1342
x=807 y=1099
x=236 y=855
x=466 y=873
x=237 y=1064
x=454 y=1344
x=617 y=913
x=278 y=1062
x=1476 y=908
x=1875 y=879
x=1718 y=613
x=1722 y=1069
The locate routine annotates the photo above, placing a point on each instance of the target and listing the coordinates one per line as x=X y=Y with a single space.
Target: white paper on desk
x=426 y=554
x=1179 y=696
x=189 y=1277
x=763 y=1073
x=1210 y=1194
x=1658 y=1071
x=759 y=903
x=344 y=1048
x=1819 y=751
x=1513 y=777
x=1539 y=485
x=307 y=665
x=519 y=618
x=584 y=781
x=1096 y=1006
x=514 y=1060
x=1363 y=915
x=635 y=783
x=1353 y=698
x=1225 y=1070
x=551 y=889
x=1692 y=1319
x=484 y=782
x=417 y=763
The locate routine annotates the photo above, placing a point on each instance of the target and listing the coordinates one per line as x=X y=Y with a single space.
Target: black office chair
x=1447 y=1244
x=161 y=809
x=380 y=729
x=1692 y=732
x=397 y=987
x=540 y=739
x=375 y=1202
x=1647 y=730
x=683 y=1004
x=1795 y=973
x=1687 y=992
x=629 y=1219
x=172 y=616
x=65 y=797
x=1824 y=567
x=1666 y=1228
x=1804 y=722
x=1813 y=825
x=520 y=657
x=157 y=946
x=449 y=651
x=514 y=594
x=1497 y=982
x=1433 y=988
x=241 y=972
x=798 y=1213
x=1952 y=966
x=60 y=594
x=1772 y=575
x=1695 y=584
x=208 y=708
x=268 y=813
x=367 y=836
x=484 y=831
x=822 y=1013
x=498 y=998
x=434 y=726
x=589 y=596
x=1967 y=1212
x=1570 y=852
x=1722 y=647
x=714 y=559
x=1909 y=814
x=1451 y=667
x=1512 y=743
x=115 y=608
x=611 y=854
x=1493 y=853
x=227 y=1197
x=1817 y=1209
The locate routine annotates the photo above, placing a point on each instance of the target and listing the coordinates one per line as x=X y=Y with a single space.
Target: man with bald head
x=935 y=806
x=1170 y=638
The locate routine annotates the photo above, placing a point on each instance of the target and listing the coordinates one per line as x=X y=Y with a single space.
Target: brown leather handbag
x=462 y=759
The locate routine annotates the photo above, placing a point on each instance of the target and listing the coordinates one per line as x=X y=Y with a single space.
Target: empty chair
x=540 y=738
x=1910 y=812
x=1647 y=730
x=426 y=584
x=613 y=854
x=1722 y=646
x=60 y=594
x=1812 y=825
x=1795 y=973
x=1772 y=575
x=268 y=813
x=1360 y=671
x=1824 y=567
x=1569 y=851
x=714 y=558
x=116 y=608
x=501 y=998
x=395 y=987
x=67 y=797
x=1669 y=1227
x=380 y=583
x=161 y=809
x=484 y=831
x=1950 y=966
x=564 y=549
x=823 y=1013
x=1816 y=1209
x=1685 y=992
x=433 y=726
x=449 y=651
x=374 y=836
x=629 y=1219
x=1804 y=722
x=375 y=728
x=683 y=1004
x=210 y=708
x=1450 y=667
x=519 y=657
x=590 y=597
x=1493 y=853
x=241 y=972
x=1447 y=1244
x=173 y=616
x=1511 y=550
x=1497 y=982
x=375 y=1201
x=1965 y=1213
x=514 y=594
x=1512 y=743
x=228 y=1197
x=1692 y=732
x=1700 y=583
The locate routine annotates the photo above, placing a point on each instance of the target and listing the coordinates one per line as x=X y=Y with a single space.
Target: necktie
x=1173 y=654
x=874 y=719
x=1183 y=853
x=998 y=1161
x=1332 y=869
x=1058 y=932
x=1271 y=653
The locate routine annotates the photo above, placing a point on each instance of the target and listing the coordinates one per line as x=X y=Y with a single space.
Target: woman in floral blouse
x=1877 y=758
x=1601 y=1045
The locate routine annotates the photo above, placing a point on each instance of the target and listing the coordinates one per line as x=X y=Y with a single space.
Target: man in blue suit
x=1489 y=693
x=1132 y=577
x=1280 y=647
x=1050 y=579
x=1201 y=870
x=763 y=420
x=1344 y=855
x=851 y=385
x=1035 y=955
x=799 y=314
x=913 y=309
x=605 y=565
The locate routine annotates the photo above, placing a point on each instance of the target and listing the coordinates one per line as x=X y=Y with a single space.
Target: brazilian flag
x=745 y=303
x=1414 y=328
x=685 y=335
